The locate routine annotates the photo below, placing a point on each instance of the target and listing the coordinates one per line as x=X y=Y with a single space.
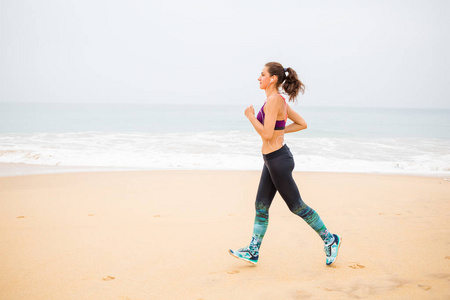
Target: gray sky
x=348 y=53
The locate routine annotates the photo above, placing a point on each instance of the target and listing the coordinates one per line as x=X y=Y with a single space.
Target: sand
x=166 y=235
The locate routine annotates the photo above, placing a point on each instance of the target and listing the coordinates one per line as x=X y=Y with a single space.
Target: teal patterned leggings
x=277 y=176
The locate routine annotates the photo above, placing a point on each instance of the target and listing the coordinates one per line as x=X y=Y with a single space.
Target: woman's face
x=264 y=79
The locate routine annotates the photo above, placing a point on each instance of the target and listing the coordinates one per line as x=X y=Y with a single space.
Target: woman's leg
x=280 y=168
x=266 y=193
x=264 y=197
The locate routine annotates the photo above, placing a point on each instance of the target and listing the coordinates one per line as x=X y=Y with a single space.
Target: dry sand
x=166 y=235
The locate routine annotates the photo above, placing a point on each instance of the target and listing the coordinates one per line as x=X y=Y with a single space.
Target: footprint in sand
x=108 y=278
x=20 y=217
x=302 y=294
x=424 y=287
x=356 y=266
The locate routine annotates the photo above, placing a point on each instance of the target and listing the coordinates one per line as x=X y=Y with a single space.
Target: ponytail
x=290 y=82
x=292 y=85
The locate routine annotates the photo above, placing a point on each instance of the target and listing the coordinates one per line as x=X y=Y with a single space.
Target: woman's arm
x=299 y=122
x=266 y=130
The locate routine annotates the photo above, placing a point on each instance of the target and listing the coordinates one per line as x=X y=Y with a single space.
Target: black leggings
x=277 y=176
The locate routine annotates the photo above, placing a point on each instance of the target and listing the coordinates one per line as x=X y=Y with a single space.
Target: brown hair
x=290 y=82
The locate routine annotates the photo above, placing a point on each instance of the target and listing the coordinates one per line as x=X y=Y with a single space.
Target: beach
x=130 y=162
x=166 y=235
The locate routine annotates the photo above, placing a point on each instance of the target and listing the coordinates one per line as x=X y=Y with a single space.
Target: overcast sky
x=348 y=53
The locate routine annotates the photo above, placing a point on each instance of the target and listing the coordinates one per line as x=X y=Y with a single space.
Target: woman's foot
x=248 y=254
x=331 y=250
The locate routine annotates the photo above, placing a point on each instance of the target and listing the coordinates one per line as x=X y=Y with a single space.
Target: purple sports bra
x=279 y=124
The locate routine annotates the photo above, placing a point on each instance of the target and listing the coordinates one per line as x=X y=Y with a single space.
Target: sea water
x=219 y=137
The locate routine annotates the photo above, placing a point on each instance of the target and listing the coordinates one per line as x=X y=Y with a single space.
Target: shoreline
x=22 y=169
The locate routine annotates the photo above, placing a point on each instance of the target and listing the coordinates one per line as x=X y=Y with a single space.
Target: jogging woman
x=270 y=124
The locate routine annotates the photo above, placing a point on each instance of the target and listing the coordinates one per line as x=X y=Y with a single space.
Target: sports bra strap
x=285 y=106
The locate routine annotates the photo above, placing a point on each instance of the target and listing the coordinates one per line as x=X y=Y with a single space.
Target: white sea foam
x=232 y=150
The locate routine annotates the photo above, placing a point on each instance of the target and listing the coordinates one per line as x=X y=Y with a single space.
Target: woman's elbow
x=302 y=126
x=267 y=135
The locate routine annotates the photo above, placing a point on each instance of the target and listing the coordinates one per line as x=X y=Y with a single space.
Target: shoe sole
x=339 y=246
x=248 y=261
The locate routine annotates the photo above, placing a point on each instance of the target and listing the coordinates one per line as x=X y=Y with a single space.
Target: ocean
x=219 y=137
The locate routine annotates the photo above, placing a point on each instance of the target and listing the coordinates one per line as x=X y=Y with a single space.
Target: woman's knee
x=300 y=208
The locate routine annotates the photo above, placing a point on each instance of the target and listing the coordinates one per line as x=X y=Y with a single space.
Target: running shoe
x=332 y=249
x=246 y=254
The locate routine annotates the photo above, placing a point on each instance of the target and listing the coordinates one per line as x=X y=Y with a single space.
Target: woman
x=279 y=162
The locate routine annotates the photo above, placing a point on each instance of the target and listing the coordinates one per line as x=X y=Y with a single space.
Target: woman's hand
x=249 y=111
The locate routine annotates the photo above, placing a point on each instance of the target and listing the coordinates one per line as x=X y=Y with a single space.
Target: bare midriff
x=275 y=143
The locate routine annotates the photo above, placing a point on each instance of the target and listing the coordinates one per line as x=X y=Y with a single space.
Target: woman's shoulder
x=275 y=99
